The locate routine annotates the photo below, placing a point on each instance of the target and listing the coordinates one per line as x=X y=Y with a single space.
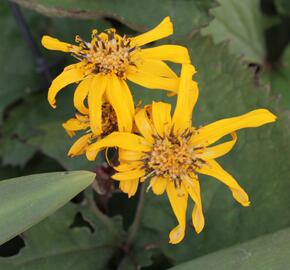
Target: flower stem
x=137 y=219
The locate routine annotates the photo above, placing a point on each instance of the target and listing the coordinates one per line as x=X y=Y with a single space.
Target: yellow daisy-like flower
x=82 y=123
x=107 y=62
x=173 y=153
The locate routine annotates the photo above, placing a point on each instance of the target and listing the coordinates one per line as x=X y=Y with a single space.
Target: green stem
x=137 y=219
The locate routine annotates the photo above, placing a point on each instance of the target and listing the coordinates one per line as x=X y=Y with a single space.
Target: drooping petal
x=62 y=80
x=219 y=150
x=155 y=67
x=214 y=131
x=193 y=188
x=51 y=43
x=80 y=146
x=161 y=114
x=130 y=187
x=158 y=184
x=128 y=155
x=95 y=100
x=162 y=30
x=128 y=166
x=151 y=81
x=120 y=97
x=178 y=199
x=129 y=175
x=172 y=53
x=186 y=99
x=144 y=125
x=75 y=124
x=215 y=170
x=123 y=140
x=80 y=95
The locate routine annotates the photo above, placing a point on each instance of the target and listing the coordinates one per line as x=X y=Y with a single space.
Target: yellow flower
x=82 y=123
x=173 y=153
x=107 y=62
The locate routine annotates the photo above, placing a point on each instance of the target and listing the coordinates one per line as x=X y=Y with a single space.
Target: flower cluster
x=154 y=145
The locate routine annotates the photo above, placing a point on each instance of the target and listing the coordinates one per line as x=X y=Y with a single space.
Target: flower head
x=107 y=61
x=82 y=123
x=172 y=153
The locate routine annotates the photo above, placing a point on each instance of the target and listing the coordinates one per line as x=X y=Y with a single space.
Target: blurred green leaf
x=17 y=77
x=58 y=243
x=280 y=79
x=264 y=253
x=241 y=24
x=282 y=6
x=227 y=89
x=139 y=15
x=27 y=200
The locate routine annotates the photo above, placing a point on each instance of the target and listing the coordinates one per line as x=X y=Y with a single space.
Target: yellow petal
x=127 y=155
x=128 y=166
x=51 y=43
x=98 y=87
x=123 y=140
x=162 y=30
x=152 y=81
x=219 y=150
x=193 y=188
x=129 y=175
x=186 y=99
x=74 y=124
x=80 y=146
x=213 y=132
x=80 y=95
x=161 y=117
x=144 y=125
x=119 y=96
x=212 y=168
x=130 y=187
x=178 y=200
x=172 y=53
x=156 y=67
x=158 y=184
x=62 y=80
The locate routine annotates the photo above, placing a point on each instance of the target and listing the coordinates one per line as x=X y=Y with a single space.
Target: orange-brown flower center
x=173 y=157
x=106 y=53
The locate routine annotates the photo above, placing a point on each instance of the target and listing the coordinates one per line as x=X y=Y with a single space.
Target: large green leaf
x=139 y=15
x=17 y=77
x=264 y=253
x=227 y=89
x=240 y=23
x=57 y=243
x=27 y=200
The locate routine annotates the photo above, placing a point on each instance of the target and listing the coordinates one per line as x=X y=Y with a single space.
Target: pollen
x=173 y=157
x=109 y=119
x=107 y=53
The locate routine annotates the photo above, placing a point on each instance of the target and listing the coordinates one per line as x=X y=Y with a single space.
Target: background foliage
x=242 y=55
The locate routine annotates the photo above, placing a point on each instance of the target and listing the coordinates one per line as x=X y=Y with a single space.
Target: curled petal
x=80 y=146
x=80 y=95
x=130 y=187
x=51 y=43
x=162 y=30
x=216 y=130
x=215 y=170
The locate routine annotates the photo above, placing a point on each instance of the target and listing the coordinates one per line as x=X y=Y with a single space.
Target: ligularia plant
x=158 y=149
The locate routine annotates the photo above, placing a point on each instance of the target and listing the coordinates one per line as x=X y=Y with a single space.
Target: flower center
x=109 y=119
x=107 y=53
x=173 y=157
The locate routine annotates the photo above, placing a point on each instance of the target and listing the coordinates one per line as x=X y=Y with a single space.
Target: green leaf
x=58 y=243
x=283 y=6
x=17 y=77
x=139 y=15
x=279 y=78
x=27 y=200
x=240 y=23
x=266 y=252
x=259 y=163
